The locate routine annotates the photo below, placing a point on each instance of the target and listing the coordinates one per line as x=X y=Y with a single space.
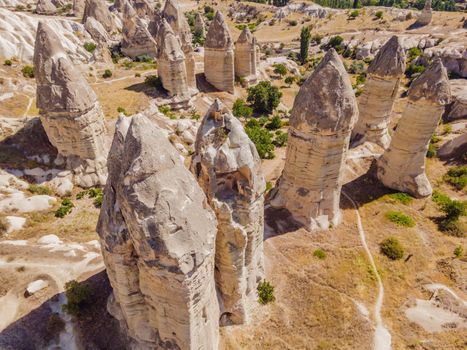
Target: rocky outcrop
x=97 y=31
x=99 y=10
x=177 y=20
x=200 y=26
x=402 y=166
x=425 y=16
x=69 y=110
x=219 y=55
x=136 y=39
x=78 y=8
x=379 y=94
x=246 y=57
x=324 y=113
x=457 y=145
x=45 y=7
x=143 y=8
x=228 y=169
x=157 y=235
x=458 y=108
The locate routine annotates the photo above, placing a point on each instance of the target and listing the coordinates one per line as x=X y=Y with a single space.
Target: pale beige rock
x=177 y=20
x=78 y=8
x=458 y=107
x=219 y=55
x=456 y=145
x=379 y=94
x=157 y=235
x=425 y=16
x=136 y=39
x=324 y=113
x=143 y=8
x=246 y=57
x=100 y=11
x=45 y=7
x=97 y=31
x=200 y=26
x=228 y=169
x=69 y=110
x=402 y=166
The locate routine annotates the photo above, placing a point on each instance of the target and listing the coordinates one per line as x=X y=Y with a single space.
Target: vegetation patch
x=392 y=248
x=320 y=254
x=39 y=190
x=241 y=109
x=457 y=177
x=262 y=139
x=265 y=292
x=107 y=74
x=459 y=251
x=90 y=47
x=401 y=197
x=263 y=97
x=400 y=218
x=65 y=208
x=95 y=193
x=453 y=210
x=78 y=295
x=28 y=71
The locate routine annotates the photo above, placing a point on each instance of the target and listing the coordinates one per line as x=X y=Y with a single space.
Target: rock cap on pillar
x=390 y=59
x=218 y=36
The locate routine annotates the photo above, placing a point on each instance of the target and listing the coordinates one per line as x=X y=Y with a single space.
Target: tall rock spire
x=324 y=113
x=99 y=10
x=425 y=16
x=246 y=57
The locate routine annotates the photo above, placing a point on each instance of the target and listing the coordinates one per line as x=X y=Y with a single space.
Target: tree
x=355 y=4
x=280 y=69
x=304 y=44
x=289 y=80
x=241 y=109
x=264 y=97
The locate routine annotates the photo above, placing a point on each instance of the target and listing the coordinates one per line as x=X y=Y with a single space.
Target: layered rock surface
x=136 y=40
x=246 y=57
x=425 y=16
x=219 y=55
x=228 y=169
x=78 y=7
x=324 y=113
x=45 y=7
x=379 y=94
x=97 y=31
x=402 y=166
x=157 y=235
x=69 y=110
x=99 y=10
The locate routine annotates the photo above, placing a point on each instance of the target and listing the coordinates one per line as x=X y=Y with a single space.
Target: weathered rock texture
x=78 y=7
x=246 y=57
x=177 y=20
x=402 y=166
x=99 y=10
x=379 y=94
x=324 y=113
x=143 y=8
x=228 y=168
x=200 y=26
x=45 y=7
x=69 y=110
x=97 y=31
x=219 y=55
x=425 y=16
x=458 y=107
x=136 y=39
x=157 y=235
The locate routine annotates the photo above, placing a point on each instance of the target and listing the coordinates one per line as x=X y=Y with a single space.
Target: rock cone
x=402 y=166
x=78 y=8
x=228 y=169
x=45 y=7
x=379 y=94
x=219 y=55
x=69 y=110
x=246 y=57
x=425 y=16
x=157 y=235
x=99 y=10
x=322 y=118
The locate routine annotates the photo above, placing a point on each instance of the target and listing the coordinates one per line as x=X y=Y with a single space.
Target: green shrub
x=392 y=248
x=122 y=110
x=356 y=67
x=264 y=97
x=414 y=69
x=354 y=14
x=40 y=190
x=280 y=69
x=90 y=46
x=400 y=218
x=194 y=114
x=336 y=41
x=289 y=80
x=317 y=39
x=457 y=177
x=268 y=186
x=165 y=110
x=107 y=74
x=413 y=53
x=144 y=59
x=265 y=292
x=274 y=123
x=7 y=63
x=432 y=151
x=320 y=254
x=281 y=139
x=78 y=295
x=241 y=109
x=401 y=197
x=453 y=210
x=262 y=140
x=447 y=129
x=361 y=78
x=459 y=251
x=65 y=208
x=28 y=71
x=440 y=198
x=379 y=14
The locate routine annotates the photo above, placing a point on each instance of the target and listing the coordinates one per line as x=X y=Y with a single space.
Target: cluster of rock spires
x=69 y=111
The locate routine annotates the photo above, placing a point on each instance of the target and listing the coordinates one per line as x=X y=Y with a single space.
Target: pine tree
x=304 y=43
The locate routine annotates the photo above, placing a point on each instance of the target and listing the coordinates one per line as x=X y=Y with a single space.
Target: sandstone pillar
x=228 y=169
x=100 y=11
x=402 y=166
x=219 y=55
x=379 y=94
x=324 y=113
x=425 y=16
x=246 y=52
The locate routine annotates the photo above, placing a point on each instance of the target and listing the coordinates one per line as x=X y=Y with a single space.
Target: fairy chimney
x=246 y=54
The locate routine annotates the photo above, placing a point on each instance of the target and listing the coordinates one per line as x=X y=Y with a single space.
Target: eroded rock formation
x=45 y=7
x=425 y=16
x=157 y=235
x=99 y=10
x=379 y=93
x=219 y=55
x=228 y=169
x=200 y=26
x=402 y=166
x=177 y=20
x=143 y=8
x=97 y=31
x=136 y=39
x=246 y=57
x=78 y=8
x=69 y=110
x=324 y=113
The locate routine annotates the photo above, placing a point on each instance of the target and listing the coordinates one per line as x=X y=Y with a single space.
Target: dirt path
x=382 y=337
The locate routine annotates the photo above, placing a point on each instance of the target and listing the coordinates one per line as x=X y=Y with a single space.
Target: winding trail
x=382 y=337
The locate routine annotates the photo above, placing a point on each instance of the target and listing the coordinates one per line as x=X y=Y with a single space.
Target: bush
x=7 y=63
x=39 y=190
x=281 y=139
x=90 y=47
x=107 y=74
x=413 y=53
x=432 y=151
x=457 y=177
x=354 y=14
x=78 y=295
x=379 y=14
x=293 y=23
x=440 y=198
x=241 y=109
x=401 y=197
x=264 y=97
x=447 y=129
x=413 y=69
x=280 y=69
x=453 y=210
x=165 y=110
x=317 y=39
x=392 y=248
x=28 y=71
x=265 y=292
x=320 y=254
x=356 y=67
x=122 y=110
x=336 y=41
x=289 y=80
x=459 y=251
x=275 y=123
x=400 y=218
x=262 y=140
x=153 y=81
x=65 y=208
